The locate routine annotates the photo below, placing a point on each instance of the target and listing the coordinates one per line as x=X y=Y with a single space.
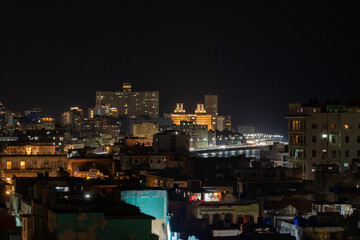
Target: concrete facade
x=145 y=130
x=30 y=166
x=323 y=134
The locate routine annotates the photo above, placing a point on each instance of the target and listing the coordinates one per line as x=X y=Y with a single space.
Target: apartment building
x=323 y=134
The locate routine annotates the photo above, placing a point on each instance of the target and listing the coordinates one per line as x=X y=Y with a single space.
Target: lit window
x=8 y=165
x=22 y=165
x=346 y=126
x=62 y=189
x=346 y=164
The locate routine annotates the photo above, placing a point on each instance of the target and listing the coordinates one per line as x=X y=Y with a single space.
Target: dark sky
x=257 y=56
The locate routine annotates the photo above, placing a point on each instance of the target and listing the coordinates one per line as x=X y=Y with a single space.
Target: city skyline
x=179 y=120
x=257 y=57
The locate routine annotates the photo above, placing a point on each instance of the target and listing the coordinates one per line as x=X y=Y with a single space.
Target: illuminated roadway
x=252 y=150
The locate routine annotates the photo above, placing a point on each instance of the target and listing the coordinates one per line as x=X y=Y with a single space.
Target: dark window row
x=333 y=153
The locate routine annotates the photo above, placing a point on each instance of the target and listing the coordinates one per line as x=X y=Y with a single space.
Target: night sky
x=257 y=58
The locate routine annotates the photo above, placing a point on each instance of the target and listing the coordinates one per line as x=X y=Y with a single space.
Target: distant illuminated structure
x=199 y=134
x=127 y=87
x=2 y=111
x=72 y=120
x=130 y=103
x=200 y=109
x=179 y=114
x=205 y=114
x=2 y=117
x=179 y=108
x=223 y=122
x=73 y=116
x=200 y=117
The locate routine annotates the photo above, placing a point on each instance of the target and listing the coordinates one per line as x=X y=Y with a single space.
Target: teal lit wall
x=150 y=202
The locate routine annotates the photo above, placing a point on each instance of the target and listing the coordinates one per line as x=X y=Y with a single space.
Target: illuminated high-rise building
x=130 y=103
x=202 y=117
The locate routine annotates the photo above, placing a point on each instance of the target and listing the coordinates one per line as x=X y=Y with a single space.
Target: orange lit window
x=332 y=126
x=296 y=124
x=346 y=126
x=8 y=165
x=22 y=165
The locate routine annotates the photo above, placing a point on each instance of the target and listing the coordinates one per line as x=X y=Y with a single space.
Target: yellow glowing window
x=8 y=165
x=22 y=165
x=296 y=124
x=346 y=126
